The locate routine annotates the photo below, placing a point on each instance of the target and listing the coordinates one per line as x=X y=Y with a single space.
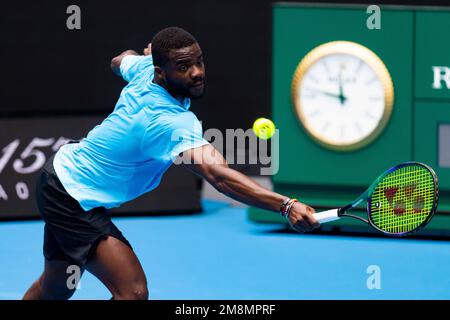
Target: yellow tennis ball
x=263 y=128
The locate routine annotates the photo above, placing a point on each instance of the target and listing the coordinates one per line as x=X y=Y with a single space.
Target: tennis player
x=126 y=156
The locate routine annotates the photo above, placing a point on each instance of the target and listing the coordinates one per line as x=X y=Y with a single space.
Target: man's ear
x=160 y=72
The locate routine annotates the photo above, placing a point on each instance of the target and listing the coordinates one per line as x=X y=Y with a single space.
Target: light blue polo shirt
x=127 y=154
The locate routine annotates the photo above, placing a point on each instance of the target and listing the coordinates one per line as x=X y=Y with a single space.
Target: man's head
x=178 y=62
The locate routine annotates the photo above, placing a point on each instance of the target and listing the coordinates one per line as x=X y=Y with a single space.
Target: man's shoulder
x=179 y=118
x=169 y=122
x=135 y=63
x=135 y=71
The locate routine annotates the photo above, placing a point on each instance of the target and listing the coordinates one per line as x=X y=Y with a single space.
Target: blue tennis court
x=220 y=254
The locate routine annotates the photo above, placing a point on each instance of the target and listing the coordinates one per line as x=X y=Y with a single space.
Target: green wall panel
x=432 y=49
x=296 y=31
x=429 y=115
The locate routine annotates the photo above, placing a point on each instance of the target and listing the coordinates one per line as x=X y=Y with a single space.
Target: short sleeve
x=173 y=135
x=186 y=136
x=132 y=65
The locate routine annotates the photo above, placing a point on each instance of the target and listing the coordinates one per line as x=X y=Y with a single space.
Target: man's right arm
x=208 y=163
x=116 y=61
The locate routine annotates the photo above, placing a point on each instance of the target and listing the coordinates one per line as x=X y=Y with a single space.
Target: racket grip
x=327 y=216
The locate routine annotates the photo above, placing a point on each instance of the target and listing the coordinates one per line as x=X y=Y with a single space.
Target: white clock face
x=341 y=99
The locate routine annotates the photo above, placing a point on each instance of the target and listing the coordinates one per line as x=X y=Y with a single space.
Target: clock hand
x=334 y=95
x=342 y=98
x=329 y=94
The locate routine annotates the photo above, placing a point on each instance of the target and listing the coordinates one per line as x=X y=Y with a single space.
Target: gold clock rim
x=372 y=60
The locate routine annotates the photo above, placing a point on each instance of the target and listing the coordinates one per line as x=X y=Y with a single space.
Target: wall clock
x=343 y=95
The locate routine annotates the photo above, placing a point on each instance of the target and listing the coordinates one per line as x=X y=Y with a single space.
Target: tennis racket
x=400 y=201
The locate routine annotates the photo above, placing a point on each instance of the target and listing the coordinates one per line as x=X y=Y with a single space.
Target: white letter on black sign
x=22 y=191
x=3 y=195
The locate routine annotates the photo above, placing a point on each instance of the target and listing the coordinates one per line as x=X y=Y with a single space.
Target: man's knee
x=134 y=292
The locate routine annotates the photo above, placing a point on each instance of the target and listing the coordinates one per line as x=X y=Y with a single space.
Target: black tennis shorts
x=71 y=234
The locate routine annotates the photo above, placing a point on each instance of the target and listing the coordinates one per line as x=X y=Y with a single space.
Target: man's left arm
x=117 y=61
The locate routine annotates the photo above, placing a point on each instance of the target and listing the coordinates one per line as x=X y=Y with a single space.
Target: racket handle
x=327 y=216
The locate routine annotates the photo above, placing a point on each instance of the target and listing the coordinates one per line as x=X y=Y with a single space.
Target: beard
x=181 y=90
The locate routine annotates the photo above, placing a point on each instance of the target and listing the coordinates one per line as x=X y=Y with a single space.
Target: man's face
x=185 y=72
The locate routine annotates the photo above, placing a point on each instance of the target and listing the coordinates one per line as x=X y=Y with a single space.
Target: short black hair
x=168 y=39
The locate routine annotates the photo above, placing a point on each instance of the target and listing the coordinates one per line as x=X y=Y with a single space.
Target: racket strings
x=409 y=219
x=403 y=199
x=397 y=218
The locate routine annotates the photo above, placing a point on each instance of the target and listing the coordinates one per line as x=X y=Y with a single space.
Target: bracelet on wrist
x=283 y=206
x=286 y=206
x=289 y=207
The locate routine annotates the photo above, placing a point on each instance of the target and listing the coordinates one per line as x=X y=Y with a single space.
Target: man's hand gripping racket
x=400 y=201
